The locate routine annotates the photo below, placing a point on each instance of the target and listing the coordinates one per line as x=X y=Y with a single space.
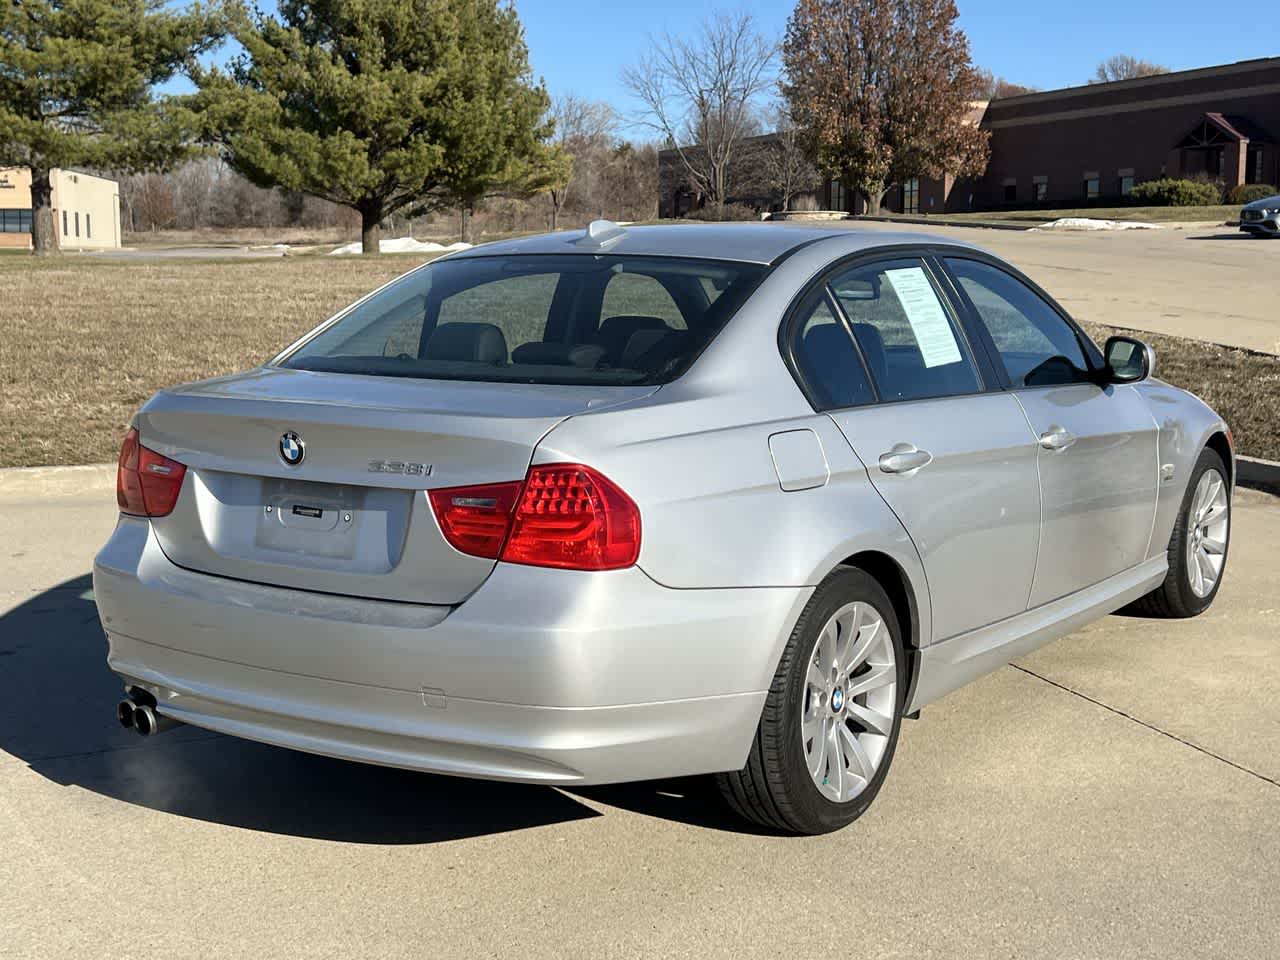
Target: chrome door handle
x=1057 y=438
x=904 y=458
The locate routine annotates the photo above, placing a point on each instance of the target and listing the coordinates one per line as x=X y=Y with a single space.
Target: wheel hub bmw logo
x=292 y=449
x=837 y=699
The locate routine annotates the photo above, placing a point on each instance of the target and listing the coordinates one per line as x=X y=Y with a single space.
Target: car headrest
x=616 y=332
x=831 y=356
x=474 y=342
x=648 y=349
x=585 y=355
x=872 y=344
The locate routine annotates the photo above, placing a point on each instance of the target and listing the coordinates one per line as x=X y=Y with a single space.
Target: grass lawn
x=86 y=341
x=1217 y=214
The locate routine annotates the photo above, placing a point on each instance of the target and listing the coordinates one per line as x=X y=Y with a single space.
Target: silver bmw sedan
x=630 y=503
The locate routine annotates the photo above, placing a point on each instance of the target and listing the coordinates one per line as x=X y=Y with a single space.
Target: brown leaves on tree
x=881 y=89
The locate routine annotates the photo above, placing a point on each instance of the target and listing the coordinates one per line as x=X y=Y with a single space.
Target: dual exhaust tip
x=142 y=718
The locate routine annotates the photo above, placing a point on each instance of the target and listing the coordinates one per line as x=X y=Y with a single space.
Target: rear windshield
x=577 y=318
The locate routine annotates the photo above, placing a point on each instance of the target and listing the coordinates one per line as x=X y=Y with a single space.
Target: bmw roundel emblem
x=837 y=699
x=292 y=449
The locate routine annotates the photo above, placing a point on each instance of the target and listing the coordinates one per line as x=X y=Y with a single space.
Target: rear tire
x=1186 y=590
x=847 y=639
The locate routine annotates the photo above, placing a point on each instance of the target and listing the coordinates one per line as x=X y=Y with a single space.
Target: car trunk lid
x=352 y=516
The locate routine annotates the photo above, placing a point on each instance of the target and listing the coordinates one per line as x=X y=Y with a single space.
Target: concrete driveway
x=1208 y=282
x=1114 y=795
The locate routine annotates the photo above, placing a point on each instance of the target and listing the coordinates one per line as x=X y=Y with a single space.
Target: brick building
x=1092 y=144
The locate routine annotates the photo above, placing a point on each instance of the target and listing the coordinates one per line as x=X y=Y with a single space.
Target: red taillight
x=476 y=520
x=147 y=483
x=571 y=516
x=562 y=515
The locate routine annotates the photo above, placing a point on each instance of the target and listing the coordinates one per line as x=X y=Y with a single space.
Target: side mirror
x=1128 y=360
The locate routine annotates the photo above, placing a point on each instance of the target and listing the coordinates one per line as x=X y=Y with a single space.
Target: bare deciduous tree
x=585 y=131
x=703 y=92
x=992 y=87
x=1124 y=67
x=788 y=165
x=881 y=89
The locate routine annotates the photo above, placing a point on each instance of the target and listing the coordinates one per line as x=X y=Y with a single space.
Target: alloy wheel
x=850 y=697
x=1207 y=521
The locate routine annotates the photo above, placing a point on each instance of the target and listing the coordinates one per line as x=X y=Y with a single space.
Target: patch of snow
x=402 y=245
x=1088 y=223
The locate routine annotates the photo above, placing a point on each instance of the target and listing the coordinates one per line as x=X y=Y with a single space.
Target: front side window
x=575 y=318
x=909 y=340
x=1036 y=346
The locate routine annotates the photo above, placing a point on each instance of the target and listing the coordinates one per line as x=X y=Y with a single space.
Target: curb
x=36 y=482
x=935 y=222
x=1257 y=474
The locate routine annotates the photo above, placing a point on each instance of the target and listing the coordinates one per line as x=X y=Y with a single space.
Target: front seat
x=470 y=342
x=616 y=332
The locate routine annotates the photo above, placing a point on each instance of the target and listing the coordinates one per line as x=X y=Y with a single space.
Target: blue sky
x=581 y=46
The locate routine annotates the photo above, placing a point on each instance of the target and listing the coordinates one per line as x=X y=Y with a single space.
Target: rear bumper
x=542 y=675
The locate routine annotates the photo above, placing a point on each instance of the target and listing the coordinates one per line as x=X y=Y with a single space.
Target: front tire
x=1198 y=546
x=831 y=720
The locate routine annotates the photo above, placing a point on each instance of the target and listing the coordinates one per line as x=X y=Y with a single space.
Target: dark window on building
x=1092 y=188
x=88 y=227
x=77 y=223
x=1010 y=193
x=64 y=223
x=837 y=195
x=1126 y=185
x=911 y=196
x=1254 y=173
x=1040 y=189
x=15 y=221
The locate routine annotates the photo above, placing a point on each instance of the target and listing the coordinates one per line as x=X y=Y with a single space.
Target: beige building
x=86 y=209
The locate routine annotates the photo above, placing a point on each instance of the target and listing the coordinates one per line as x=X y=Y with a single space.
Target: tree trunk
x=555 y=212
x=370 y=231
x=466 y=224
x=44 y=233
x=874 y=195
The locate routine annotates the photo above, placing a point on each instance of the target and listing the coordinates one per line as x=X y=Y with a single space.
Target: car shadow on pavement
x=57 y=714
x=1222 y=236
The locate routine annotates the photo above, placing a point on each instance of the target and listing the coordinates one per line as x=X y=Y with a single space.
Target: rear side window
x=827 y=359
x=1036 y=346
x=912 y=345
x=577 y=318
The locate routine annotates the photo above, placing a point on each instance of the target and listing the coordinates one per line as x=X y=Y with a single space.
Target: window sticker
x=928 y=320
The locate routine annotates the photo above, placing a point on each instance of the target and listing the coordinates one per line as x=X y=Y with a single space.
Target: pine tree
x=76 y=88
x=880 y=89
x=381 y=105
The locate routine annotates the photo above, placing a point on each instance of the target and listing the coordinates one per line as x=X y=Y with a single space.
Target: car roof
x=762 y=243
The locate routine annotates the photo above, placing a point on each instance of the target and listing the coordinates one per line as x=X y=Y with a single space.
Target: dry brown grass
x=83 y=343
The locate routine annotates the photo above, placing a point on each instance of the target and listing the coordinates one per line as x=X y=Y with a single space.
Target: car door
x=1098 y=443
x=885 y=356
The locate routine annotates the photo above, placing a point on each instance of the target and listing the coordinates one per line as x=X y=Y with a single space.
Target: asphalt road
x=1207 y=282
x=1114 y=795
